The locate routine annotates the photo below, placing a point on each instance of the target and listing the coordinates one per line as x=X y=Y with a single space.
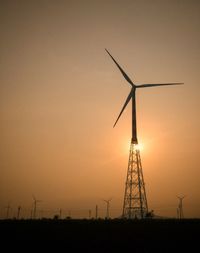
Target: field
x=103 y=235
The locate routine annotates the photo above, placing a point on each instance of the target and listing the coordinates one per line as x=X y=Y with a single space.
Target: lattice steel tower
x=135 y=200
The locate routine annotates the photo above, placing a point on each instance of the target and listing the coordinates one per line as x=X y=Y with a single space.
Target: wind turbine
x=107 y=207
x=135 y=201
x=35 y=201
x=180 y=207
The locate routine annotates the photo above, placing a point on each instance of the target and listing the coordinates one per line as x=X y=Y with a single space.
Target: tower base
x=135 y=200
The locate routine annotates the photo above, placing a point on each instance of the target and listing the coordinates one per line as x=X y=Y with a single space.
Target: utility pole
x=177 y=211
x=18 y=212
x=107 y=208
x=180 y=207
x=96 y=212
x=41 y=213
x=90 y=214
x=8 y=211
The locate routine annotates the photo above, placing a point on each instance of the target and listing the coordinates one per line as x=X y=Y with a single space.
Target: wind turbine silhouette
x=107 y=207
x=135 y=200
x=180 y=207
x=35 y=201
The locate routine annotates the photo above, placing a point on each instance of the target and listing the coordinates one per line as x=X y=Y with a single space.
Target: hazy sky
x=60 y=94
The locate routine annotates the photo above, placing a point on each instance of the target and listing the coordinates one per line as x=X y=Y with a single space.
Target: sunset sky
x=60 y=95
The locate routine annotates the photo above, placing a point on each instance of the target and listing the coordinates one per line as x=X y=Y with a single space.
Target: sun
x=139 y=146
x=126 y=146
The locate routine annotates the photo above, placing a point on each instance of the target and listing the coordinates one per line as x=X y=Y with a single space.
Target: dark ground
x=101 y=235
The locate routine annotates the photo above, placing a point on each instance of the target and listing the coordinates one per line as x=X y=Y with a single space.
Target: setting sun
x=126 y=145
x=139 y=146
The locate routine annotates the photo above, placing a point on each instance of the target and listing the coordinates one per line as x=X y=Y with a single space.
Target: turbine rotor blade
x=156 y=84
x=125 y=104
x=122 y=71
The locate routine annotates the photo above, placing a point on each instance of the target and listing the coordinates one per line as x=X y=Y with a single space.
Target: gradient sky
x=60 y=94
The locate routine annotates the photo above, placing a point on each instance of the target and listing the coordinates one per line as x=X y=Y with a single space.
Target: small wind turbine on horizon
x=35 y=201
x=107 y=207
x=135 y=200
x=180 y=207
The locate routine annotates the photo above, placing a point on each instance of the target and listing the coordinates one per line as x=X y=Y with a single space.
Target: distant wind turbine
x=35 y=201
x=107 y=207
x=180 y=207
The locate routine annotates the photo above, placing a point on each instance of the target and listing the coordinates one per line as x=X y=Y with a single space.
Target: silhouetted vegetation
x=104 y=235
